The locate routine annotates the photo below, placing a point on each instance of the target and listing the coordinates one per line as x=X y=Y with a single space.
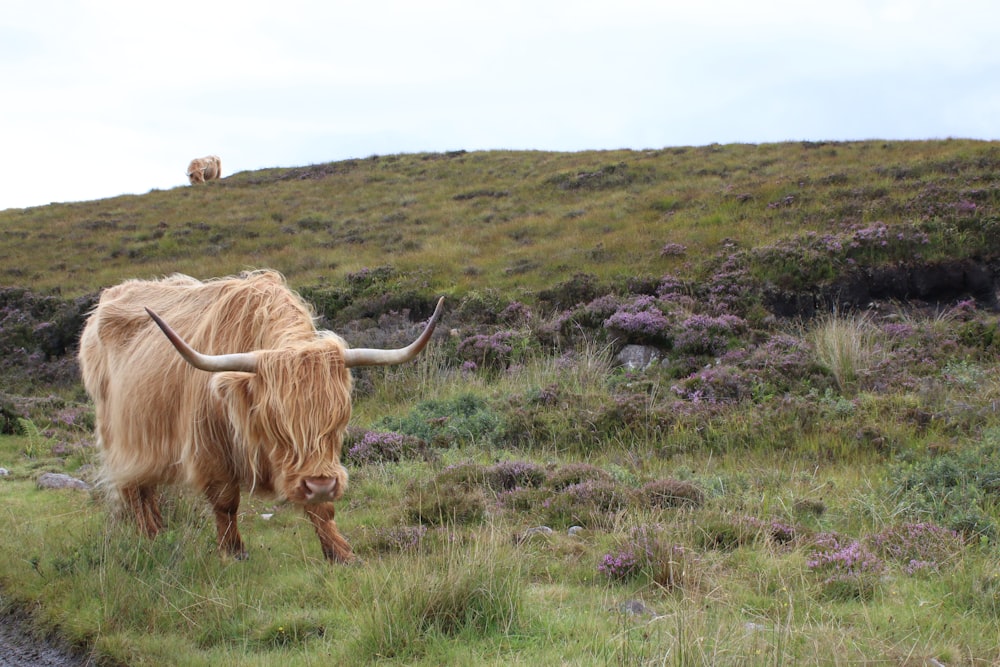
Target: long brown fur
x=161 y=421
x=204 y=169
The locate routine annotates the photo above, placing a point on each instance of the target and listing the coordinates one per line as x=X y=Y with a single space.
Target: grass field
x=807 y=474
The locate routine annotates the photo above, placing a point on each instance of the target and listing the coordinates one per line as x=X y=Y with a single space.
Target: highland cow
x=239 y=392
x=204 y=169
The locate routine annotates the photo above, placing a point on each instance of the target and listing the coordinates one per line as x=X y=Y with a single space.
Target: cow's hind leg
x=225 y=499
x=142 y=504
x=335 y=547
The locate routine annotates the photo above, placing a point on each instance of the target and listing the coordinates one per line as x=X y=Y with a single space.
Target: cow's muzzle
x=320 y=489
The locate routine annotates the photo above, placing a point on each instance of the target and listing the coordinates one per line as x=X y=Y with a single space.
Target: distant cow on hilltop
x=204 y=169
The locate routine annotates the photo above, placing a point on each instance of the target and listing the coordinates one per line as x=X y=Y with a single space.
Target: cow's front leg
x=225 y=499
x=335 y=547
x=141 y=503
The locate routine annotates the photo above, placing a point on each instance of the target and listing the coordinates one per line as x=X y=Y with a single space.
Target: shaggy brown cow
x=204 y=169
x=268 y=416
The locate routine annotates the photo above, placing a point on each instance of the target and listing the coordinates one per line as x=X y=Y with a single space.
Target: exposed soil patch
x=917 y=284
x=19 y=648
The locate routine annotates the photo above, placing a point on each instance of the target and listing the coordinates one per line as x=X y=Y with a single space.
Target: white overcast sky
x=106 y=97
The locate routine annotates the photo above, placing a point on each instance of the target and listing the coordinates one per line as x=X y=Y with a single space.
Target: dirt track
x=18 y=648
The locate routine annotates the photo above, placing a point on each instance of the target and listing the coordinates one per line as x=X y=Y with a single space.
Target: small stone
x=638 y=356
x=635 y=608
x=55 y=480
x=543 y=531
x=575 y=531
x=4 y=472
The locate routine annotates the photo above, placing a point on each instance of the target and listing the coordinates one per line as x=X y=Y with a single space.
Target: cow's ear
x=235 y=389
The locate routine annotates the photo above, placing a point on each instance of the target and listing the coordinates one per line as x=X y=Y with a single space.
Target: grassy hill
x=806 y=473
x=517 y=220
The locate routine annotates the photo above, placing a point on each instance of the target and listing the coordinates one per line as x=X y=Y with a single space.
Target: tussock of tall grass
x=472 y=588
x=846 y=345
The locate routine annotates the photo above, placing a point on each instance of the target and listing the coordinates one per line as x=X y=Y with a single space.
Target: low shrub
x=955 y=488
x=589 y=503
x=372 y=447
x=433 y=503
x=581 y=288
x=848 y=570
x=670 y=493
x=708 y=335
x=576 y=473
x=725 y=532
x=464 y=419
x=467 y=475
x=509 y=475
x=643 y=321
x=397 y=538
x=918 y=546
x=496 y=351
x=620 y=566
x=648 y=550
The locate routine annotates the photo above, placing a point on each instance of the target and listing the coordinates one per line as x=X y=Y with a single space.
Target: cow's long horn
x=214 y=363
x=374 y=357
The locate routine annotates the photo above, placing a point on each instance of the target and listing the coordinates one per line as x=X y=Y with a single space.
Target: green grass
x=796 y=431
x=509 y=220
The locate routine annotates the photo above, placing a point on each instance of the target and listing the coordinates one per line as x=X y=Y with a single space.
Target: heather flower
x=785 y=201
x=604 y=496
x=383 y=447
x=966 y=206
x=964 y=310
x=919 y=566
x=515 y=313
x=668 y=286
x=849 y=569
x=673 y=250
x=619 y=566
x=778 y=531
x=919 y=546
x=375 y=446
x=644 y=323
x=586 y=503
x=593 y=313
x=488 y=351
x=897 y=330
x=703 y=334
x=574 y=473
x=546 y=395
x=713 y=385
x=640 y=321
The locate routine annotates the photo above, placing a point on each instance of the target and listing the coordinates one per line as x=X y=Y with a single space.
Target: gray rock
x=638 y=356
x=56 y=480
x=635 y=608
x=4 y=472
x=536 y=533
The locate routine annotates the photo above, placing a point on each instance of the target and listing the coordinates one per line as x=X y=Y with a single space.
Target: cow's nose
x=319 y=489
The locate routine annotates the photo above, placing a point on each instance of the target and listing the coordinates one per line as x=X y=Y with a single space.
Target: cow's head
x=289 y=406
